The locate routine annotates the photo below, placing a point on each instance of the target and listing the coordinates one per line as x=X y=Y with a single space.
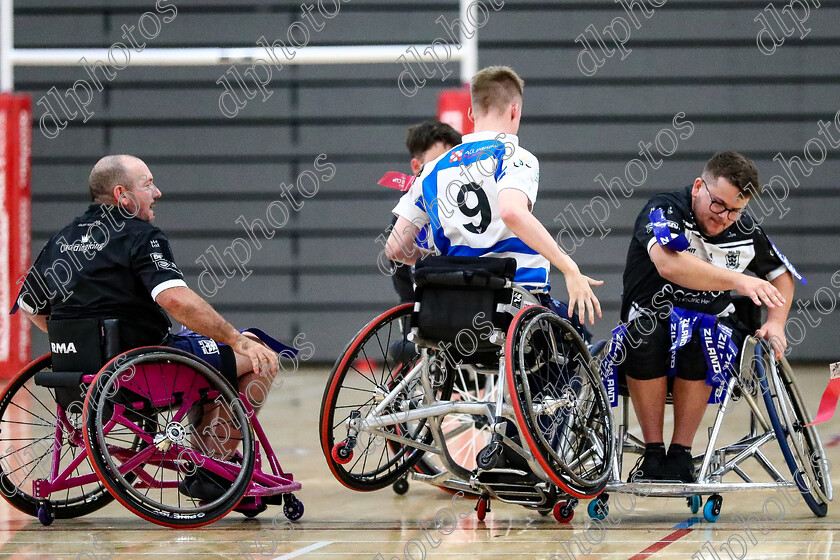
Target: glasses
x=719 y=207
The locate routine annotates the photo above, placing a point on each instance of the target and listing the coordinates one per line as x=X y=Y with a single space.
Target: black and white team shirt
x=104 y=265
x=742 y=246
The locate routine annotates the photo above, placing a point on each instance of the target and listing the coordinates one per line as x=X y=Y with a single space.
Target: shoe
x=204 y=485
x=679 y=465
x=651 y=465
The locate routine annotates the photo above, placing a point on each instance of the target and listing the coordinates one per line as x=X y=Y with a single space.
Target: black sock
x=655 y=446
x=676 y=448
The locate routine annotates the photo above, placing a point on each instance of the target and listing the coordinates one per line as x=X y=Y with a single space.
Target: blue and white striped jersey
x=457 y=195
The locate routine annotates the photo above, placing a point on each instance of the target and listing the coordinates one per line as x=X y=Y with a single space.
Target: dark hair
x=108 y=172
x=423 y=136
x=736 y=168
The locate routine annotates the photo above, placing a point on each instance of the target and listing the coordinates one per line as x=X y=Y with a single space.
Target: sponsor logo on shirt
x=155 y=243
x=161 y=263
x=456 y=156
x=521 y=163
x=733 y=259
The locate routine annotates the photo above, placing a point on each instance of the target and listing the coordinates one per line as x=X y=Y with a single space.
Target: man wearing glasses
x=689 y=249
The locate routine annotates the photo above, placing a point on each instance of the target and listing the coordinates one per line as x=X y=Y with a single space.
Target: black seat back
x=78 y=347
x=454 y=294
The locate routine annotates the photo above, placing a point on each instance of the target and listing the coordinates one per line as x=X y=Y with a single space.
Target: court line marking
x=682 y=529
x=304 y=550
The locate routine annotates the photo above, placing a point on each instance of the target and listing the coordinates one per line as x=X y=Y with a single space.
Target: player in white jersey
x=478 y=198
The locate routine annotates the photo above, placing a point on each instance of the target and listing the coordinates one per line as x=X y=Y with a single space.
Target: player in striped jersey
x=478 y=198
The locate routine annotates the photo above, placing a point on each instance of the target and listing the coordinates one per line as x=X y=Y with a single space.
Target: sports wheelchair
x=495 y=392
x=87 y=424
x=774 y=412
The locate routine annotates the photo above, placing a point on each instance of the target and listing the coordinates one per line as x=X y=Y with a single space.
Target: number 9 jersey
x=457 y=195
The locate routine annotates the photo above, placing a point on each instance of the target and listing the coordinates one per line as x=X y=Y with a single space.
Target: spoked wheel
x=374 y=364
x=559 y=401
x=190 y=421
x=800 y=446
x=29 y=431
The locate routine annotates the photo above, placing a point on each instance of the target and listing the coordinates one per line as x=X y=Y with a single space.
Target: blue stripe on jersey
x=527 y=276
x=430 y=202
x=512 y=245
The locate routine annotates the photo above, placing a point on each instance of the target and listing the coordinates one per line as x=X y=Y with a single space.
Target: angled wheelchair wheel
x=559 y=401
x=191 y=423
x=34 y=430
x=800 y=446
x=372 y=365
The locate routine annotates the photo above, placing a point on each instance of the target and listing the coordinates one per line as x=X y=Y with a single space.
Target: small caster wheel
x=341 y=453
x=694 y=502
x=488 y=458
x=599 y=508
x=45 y=514
x=401 y=486
x=564 y=512
x=482 y=507
x=292 y=507
x=711 y=511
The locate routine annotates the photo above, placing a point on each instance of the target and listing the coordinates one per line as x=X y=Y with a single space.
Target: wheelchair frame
x=514 y=485
x=716 y=462
x=129 y=477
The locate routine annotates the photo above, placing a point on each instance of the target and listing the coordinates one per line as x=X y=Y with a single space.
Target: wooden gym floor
x=339 y=523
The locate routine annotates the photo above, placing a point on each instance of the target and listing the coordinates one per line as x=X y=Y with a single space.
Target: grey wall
x=317 y=275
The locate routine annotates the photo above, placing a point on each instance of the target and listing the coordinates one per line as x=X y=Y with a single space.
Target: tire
x=167 y=395
x=546 y=365
x=26 y=408
x=363 y=372
x=800 y=446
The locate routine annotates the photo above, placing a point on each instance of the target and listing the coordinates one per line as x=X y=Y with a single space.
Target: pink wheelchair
x=84 y=425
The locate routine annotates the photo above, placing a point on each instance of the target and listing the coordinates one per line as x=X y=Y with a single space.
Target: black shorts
x=220 y=356
x=647 y=346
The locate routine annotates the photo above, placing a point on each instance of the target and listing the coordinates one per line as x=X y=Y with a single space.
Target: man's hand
x=775 y=333
x=262 y=358
x=760 y=291
x=581 y=294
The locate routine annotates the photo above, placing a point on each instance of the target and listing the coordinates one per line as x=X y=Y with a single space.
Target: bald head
x=109 y=172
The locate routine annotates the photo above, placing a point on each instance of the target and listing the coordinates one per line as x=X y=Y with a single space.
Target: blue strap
x=787 y=263
x=662 y=233
x=609 y=372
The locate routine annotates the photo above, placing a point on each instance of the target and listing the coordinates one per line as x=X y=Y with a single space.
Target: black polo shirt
x=742 y=246
x=105 y=265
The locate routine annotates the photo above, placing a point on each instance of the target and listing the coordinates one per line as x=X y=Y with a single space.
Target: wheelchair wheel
x=559 y=401
x=29 y=429
x=801 y=446
x=368 y=370
x=181 y=408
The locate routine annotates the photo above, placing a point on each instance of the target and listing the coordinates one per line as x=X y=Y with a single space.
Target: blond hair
x=495 y=87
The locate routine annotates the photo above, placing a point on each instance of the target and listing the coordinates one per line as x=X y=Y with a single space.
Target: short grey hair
x=108 y=172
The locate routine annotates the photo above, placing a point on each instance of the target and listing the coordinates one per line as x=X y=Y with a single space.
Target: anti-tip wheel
x=45 y=514
x=598 y=508
x=400 y=486
x=563 y=512
x=694 y=502
x=341 y=454
x=711 y=511
x=292 y=507
x=482 y=507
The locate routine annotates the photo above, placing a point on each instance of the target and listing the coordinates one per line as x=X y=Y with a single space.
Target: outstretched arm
x=696 y=274
x=192 y=311
x=514 y=207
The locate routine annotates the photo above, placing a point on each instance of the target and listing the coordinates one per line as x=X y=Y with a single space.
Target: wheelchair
x=87 y=424
x=776 y=438
x=487 y=393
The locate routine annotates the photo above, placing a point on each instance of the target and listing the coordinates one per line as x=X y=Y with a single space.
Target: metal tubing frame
x=466 y=53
